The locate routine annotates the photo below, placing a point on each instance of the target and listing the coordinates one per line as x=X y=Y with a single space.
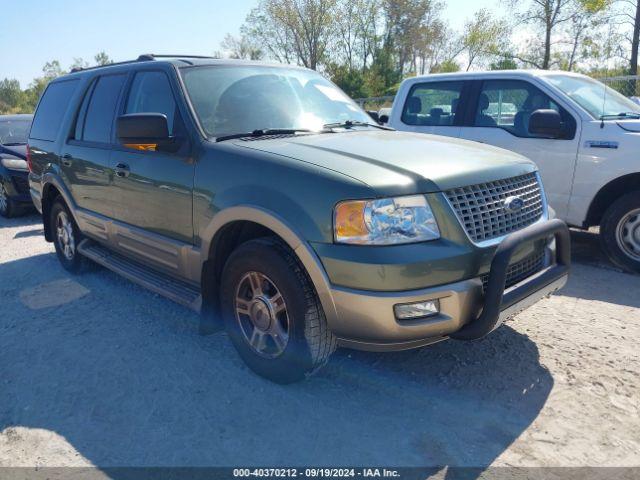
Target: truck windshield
x=233 y=99
x=595 y=97
x=14 y=132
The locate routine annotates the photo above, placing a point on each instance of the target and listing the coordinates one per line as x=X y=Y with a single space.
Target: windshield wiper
x=13 y=144
x=267 y=131
x=355 y=123
x=621 y=115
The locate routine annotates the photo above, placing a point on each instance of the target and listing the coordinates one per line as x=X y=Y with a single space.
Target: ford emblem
x=513 y=204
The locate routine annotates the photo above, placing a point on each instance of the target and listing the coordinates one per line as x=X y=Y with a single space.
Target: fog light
x=408 y=311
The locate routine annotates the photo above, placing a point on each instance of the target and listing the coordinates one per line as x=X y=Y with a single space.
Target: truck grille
x=481 y=210
x=517 y=272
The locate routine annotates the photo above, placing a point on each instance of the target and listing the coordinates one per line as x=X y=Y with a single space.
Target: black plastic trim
x=496 y=299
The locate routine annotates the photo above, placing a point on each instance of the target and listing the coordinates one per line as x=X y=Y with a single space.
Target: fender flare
x=268 y=219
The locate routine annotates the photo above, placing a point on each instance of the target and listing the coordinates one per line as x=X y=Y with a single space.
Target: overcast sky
x=36 y=31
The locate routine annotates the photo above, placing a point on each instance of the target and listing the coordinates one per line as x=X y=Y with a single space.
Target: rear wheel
x=7 y=206
x=620 y=232
x=272 y=313
x=66 y=237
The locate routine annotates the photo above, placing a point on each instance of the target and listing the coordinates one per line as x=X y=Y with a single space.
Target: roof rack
x=145 y=57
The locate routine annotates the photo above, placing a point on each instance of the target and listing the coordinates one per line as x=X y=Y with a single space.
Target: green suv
x=263 y=197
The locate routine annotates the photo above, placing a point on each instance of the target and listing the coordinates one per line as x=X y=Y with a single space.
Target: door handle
x=122 y=170
x=67 y=160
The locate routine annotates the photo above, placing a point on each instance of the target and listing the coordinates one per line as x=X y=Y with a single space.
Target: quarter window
x=433 y=104
x=51 y=110
x=508 y=104
x=98 y=122
x=151 y=93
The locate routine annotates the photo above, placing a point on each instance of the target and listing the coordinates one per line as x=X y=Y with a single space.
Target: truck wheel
x=620 y=232
x=66 y=238
x=7 y=206
x=272 y=313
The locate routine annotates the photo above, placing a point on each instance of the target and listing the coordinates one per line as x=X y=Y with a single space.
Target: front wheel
x=7 y=206
x=620 y=232
x=272 y=313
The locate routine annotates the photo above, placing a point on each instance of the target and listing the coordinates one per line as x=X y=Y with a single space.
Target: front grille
x=22 y=184
x=481 y=210
x=517 y=272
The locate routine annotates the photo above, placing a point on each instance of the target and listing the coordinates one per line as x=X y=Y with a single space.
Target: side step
x=160 y=283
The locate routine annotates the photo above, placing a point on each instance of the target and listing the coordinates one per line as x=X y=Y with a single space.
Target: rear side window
x=101 y=110
x=433 y=104
x=51 y=110
x=151 y=93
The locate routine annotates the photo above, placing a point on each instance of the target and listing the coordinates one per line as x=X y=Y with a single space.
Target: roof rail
x=145 y=57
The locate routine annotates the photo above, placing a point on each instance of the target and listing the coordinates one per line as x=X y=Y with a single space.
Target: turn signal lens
x=349 y=219
x=29 y=164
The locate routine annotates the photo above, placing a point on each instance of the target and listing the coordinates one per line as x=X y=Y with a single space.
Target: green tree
x=483 y=38
x=447 y=66
x=102 y=58
x=10 y=96
x=241 y=47
x=506 y=62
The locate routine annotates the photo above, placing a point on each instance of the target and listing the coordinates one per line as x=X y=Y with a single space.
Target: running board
x=160 y=283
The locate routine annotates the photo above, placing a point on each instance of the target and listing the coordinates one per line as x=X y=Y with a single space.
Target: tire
x=7 y=205
x=270 y=264
x=60 y=217
x=620 y=232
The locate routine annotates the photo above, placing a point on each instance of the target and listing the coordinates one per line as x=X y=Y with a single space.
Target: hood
x=392 y=162
x=19 y=151
x=630 y=125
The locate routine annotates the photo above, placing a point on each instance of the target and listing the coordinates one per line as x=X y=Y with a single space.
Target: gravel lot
x=97 y=371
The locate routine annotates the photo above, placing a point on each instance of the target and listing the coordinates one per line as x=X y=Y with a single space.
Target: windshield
x=238 y=99
x=592 y=95
x=14 y=131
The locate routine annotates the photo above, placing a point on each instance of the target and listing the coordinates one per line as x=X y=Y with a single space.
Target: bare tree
x=241 y=47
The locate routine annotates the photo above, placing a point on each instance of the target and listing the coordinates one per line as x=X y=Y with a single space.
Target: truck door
x=500 y=116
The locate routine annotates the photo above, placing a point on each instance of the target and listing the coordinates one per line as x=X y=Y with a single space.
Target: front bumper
x=366 y=319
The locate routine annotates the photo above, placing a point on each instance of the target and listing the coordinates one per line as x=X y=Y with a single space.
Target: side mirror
x=373 y=114
x=143 y=131
x=383 y=119
x=546 y=123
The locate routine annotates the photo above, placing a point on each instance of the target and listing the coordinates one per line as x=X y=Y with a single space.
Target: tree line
x=368 y=46
x=13 y=99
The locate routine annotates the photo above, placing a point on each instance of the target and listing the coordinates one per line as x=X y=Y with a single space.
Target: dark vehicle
x=14 y=172
x=265 y=198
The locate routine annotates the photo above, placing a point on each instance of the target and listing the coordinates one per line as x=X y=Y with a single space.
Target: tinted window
x=82 y=114
x=102 y=107
x=151 y=93
x=51 y=110
x=14 y=131
x=432 y=104
x=508 y=104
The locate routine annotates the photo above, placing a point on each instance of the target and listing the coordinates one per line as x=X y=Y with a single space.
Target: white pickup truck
x=584 y=137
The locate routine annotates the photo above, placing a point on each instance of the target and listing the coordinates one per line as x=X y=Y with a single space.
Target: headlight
x=14 y=163
x=387 y=221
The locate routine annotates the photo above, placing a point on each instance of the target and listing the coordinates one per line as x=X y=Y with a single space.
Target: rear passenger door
x=434 y=107
x=500 y=117
x=86 y=154
x=154 y=188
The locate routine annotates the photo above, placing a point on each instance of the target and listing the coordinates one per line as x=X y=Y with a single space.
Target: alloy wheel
x=262 y=315
x=65 y=237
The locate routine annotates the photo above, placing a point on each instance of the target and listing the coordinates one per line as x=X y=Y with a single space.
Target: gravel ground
x=97 y=371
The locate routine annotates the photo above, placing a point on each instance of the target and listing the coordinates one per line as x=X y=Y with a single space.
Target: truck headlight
x=14 y=163
x=386 y=221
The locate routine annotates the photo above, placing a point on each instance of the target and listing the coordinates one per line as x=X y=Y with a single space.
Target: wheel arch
x=235 y=225
x=608 y=194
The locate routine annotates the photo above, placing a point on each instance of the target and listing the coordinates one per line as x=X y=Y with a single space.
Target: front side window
x=98 y=121
x=595 y=97
x=509 y=104
x=432 y=104
x=239 y=99
x=151 y=93
x=51 y=110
